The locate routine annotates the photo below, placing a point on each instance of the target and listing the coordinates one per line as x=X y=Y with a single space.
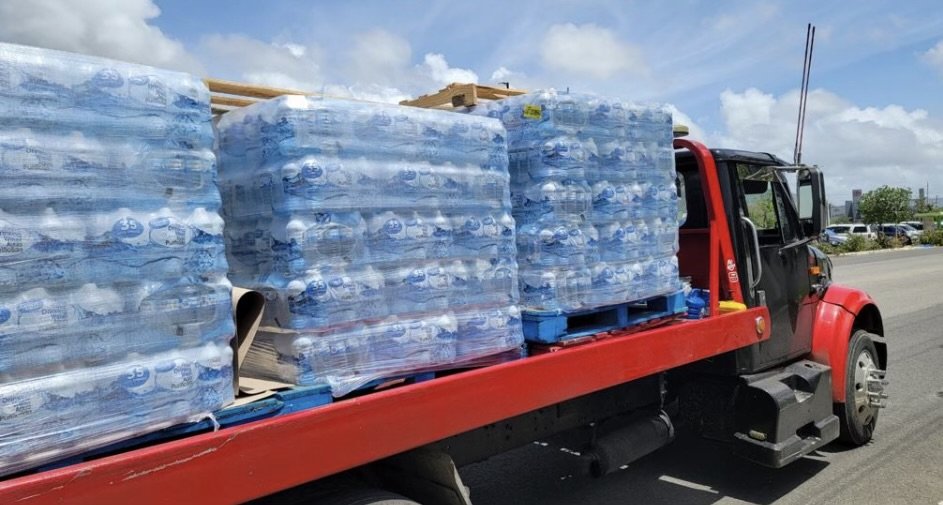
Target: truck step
x=552 y=327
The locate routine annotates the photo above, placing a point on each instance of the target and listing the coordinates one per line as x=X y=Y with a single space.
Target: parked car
x=917 y=225
x=838 y=233
x=912 y=231
x=902 y=232
x=835 y=235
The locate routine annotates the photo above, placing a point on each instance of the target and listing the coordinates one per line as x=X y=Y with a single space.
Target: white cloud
x=516 y=79
x=296 y=50
x=435 y=66
x=934 y=56
x=98 y=27
x=369 y=92
x=591 y=50
x=858 y=147
x=735 y=20
x=378 y=56
x=695 y=131
x=745 y=111
x=378 y=66
x=285 y=65
x=501 y=74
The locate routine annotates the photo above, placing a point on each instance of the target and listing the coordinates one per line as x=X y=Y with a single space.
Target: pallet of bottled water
x=381 y=236
x=594 y=199
x=115 y=312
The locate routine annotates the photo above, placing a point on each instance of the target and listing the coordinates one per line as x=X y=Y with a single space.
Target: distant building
x=835 y=211
x=853 y=213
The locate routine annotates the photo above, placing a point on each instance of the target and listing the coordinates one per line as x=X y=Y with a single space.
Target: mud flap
x=785 y=414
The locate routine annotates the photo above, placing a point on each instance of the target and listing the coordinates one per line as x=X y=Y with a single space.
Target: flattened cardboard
x=247 y=308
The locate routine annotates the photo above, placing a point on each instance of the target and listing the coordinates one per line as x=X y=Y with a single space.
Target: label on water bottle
x=127 y=228
x=169 y=232
x=137 y=380
x=532 y=111
x=175 y=375
x=11 y=242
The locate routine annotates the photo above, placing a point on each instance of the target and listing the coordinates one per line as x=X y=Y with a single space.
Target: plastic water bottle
x=442 y=232
x=392 y=236
x=421 y=289
x=328 y=237
x=611 y=200
x=615 y=242
x=609 y=285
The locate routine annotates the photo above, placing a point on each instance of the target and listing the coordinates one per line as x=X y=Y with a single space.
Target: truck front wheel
x=859 y=413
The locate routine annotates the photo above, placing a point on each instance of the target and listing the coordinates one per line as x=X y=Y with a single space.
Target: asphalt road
x=902 y=465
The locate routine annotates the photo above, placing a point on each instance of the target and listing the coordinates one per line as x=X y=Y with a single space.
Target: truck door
x=769 y=228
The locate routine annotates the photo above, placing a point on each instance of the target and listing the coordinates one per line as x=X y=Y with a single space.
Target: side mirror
x=810 y=193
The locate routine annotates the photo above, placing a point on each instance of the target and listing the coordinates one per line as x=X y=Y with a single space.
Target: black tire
x=366 y=497
x=857 y=421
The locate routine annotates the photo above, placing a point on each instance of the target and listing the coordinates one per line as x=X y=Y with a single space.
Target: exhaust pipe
x=625 y=445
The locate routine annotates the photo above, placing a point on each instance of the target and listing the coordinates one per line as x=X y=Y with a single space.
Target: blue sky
x=730 y=68
x=869 y=54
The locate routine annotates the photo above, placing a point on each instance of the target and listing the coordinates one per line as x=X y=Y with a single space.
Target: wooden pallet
x=552 y=327
x=461 y=95
x=228 y=95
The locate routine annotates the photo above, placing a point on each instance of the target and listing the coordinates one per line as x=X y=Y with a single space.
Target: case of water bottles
x=380 y=235
x=115 y=311
x=594 y=199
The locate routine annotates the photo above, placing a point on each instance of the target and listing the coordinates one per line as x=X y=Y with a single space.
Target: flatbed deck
x=259 y=458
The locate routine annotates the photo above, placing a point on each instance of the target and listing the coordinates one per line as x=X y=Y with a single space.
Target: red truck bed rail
x=252 y=460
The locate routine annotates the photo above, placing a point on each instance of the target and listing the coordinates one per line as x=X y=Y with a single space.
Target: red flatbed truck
x=800 y=366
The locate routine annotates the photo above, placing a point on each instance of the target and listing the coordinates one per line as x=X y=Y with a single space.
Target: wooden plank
x=248 y=90
x=461 y=95
x=430 y=101
x=231 y=101
x=464 y=95
x=497 y=93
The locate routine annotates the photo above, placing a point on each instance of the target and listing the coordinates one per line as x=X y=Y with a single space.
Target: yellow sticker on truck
x=532 y=111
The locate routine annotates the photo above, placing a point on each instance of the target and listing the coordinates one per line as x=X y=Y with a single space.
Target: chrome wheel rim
x=863 y=364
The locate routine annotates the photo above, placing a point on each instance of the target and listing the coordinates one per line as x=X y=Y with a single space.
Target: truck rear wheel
x=367 y=497
x=858 y=414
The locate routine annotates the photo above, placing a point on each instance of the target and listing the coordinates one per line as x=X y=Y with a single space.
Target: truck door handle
x=756 y=252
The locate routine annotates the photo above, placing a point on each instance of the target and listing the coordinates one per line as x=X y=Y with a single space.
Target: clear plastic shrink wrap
x=115 y=314
x=594 y=199
x=381 y=236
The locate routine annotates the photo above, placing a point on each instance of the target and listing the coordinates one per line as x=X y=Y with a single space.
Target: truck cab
x=783 y=394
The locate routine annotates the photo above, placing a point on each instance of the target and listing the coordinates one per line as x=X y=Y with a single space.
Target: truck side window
x=766 y=204
x=788 y=219
x=760 y=204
